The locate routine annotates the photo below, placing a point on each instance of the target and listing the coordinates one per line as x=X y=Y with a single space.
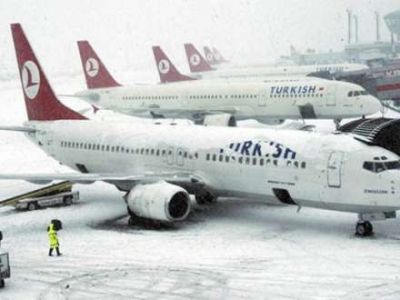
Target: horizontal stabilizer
x=18 y=128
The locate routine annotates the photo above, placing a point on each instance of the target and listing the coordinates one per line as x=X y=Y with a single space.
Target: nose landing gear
x=364 y=228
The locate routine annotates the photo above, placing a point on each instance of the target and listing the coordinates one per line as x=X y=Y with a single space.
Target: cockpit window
x=357 y=93
x=377 y=167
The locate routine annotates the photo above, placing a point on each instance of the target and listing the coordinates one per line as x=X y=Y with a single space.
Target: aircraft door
x=330 y=95
x=170 y=155
x=262 y=99
x=335 y=169
x=179 y=156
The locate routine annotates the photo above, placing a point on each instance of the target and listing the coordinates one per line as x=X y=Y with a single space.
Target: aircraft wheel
x=32 y=206
x=131 y=221
x=2 y=284
x=68 y=200
x=364 y=228
x=370 y=228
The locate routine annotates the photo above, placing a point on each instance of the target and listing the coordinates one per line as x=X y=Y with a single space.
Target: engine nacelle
x=219 y=120
x=160 y=201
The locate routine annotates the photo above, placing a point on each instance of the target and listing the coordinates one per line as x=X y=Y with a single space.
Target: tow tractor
x=52 y=195
x=4 y=264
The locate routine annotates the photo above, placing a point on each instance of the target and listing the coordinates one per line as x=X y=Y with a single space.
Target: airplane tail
x=166 y=69
x=196 y=61
x=40 y=100
x=210 y=57
x=96 y=73
x=218 y=56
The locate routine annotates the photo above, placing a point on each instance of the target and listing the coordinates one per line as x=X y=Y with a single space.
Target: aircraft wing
x=118 y=179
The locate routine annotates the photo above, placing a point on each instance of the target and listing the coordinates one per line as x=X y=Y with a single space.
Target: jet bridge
x=383 y=132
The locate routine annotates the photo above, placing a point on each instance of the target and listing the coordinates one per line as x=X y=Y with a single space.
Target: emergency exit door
x=262 y=99
x=335 y=169
x=330 y=95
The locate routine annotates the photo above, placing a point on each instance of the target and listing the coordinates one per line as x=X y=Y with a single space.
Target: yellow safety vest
x=53 y=240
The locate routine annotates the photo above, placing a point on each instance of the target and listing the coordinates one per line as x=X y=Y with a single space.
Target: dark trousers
x=57 y=250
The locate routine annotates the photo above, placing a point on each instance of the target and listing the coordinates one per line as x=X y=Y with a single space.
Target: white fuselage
x=272 y=99
x=264 y=72
x=316 y=170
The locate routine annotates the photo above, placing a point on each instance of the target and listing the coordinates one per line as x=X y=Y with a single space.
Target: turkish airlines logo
x=195 y=59
x=164 y=66
x=30 y=79
x=92 y=67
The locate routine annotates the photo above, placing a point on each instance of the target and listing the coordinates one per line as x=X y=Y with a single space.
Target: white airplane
x=223 y=102
x=200 y=68
x=214 y=57
x=159 y=166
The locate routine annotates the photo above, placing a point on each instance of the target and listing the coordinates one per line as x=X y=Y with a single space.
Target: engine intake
x=159 y=201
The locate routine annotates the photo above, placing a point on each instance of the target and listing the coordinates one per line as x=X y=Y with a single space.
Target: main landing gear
x=337 y=123
x=364 y=228
x=205 y=198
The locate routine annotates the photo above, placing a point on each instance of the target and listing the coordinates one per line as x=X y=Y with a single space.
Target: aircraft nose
x=372 y=106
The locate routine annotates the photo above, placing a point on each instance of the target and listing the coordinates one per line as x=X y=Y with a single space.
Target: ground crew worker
x=53 y=239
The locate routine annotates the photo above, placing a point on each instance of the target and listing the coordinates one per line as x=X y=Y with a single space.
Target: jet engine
x=159 y=201
x=219 y=120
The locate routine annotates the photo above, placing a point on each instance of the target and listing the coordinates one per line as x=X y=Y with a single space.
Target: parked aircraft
x=223 y=102
x=200 y=68
x=158 y=166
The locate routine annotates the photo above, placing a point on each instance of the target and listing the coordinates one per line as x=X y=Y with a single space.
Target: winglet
x=40 y=100
x=96 y=73
x=196 y=61
x=166 y=69
x=210 y=57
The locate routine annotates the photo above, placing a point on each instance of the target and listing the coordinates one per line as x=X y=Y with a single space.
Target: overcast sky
x=123 y=31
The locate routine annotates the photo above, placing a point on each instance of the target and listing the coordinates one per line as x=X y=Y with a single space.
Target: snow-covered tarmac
x=234 y=249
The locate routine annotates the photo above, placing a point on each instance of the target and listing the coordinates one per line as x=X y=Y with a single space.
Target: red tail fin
x=218 y=56
x=96 y=74
x=40 y=100
x=210 y=57
x=196 y=61
x=166 y=69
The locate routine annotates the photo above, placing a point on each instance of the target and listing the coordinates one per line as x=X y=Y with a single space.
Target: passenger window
x=226 y=158
x=241 y=160
x=214 y=157
x=350 y=94
x=254 y=161
x=221 y=158
x=303 y=165
x=261 y=161
x=247 y=160
x=208 y=156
